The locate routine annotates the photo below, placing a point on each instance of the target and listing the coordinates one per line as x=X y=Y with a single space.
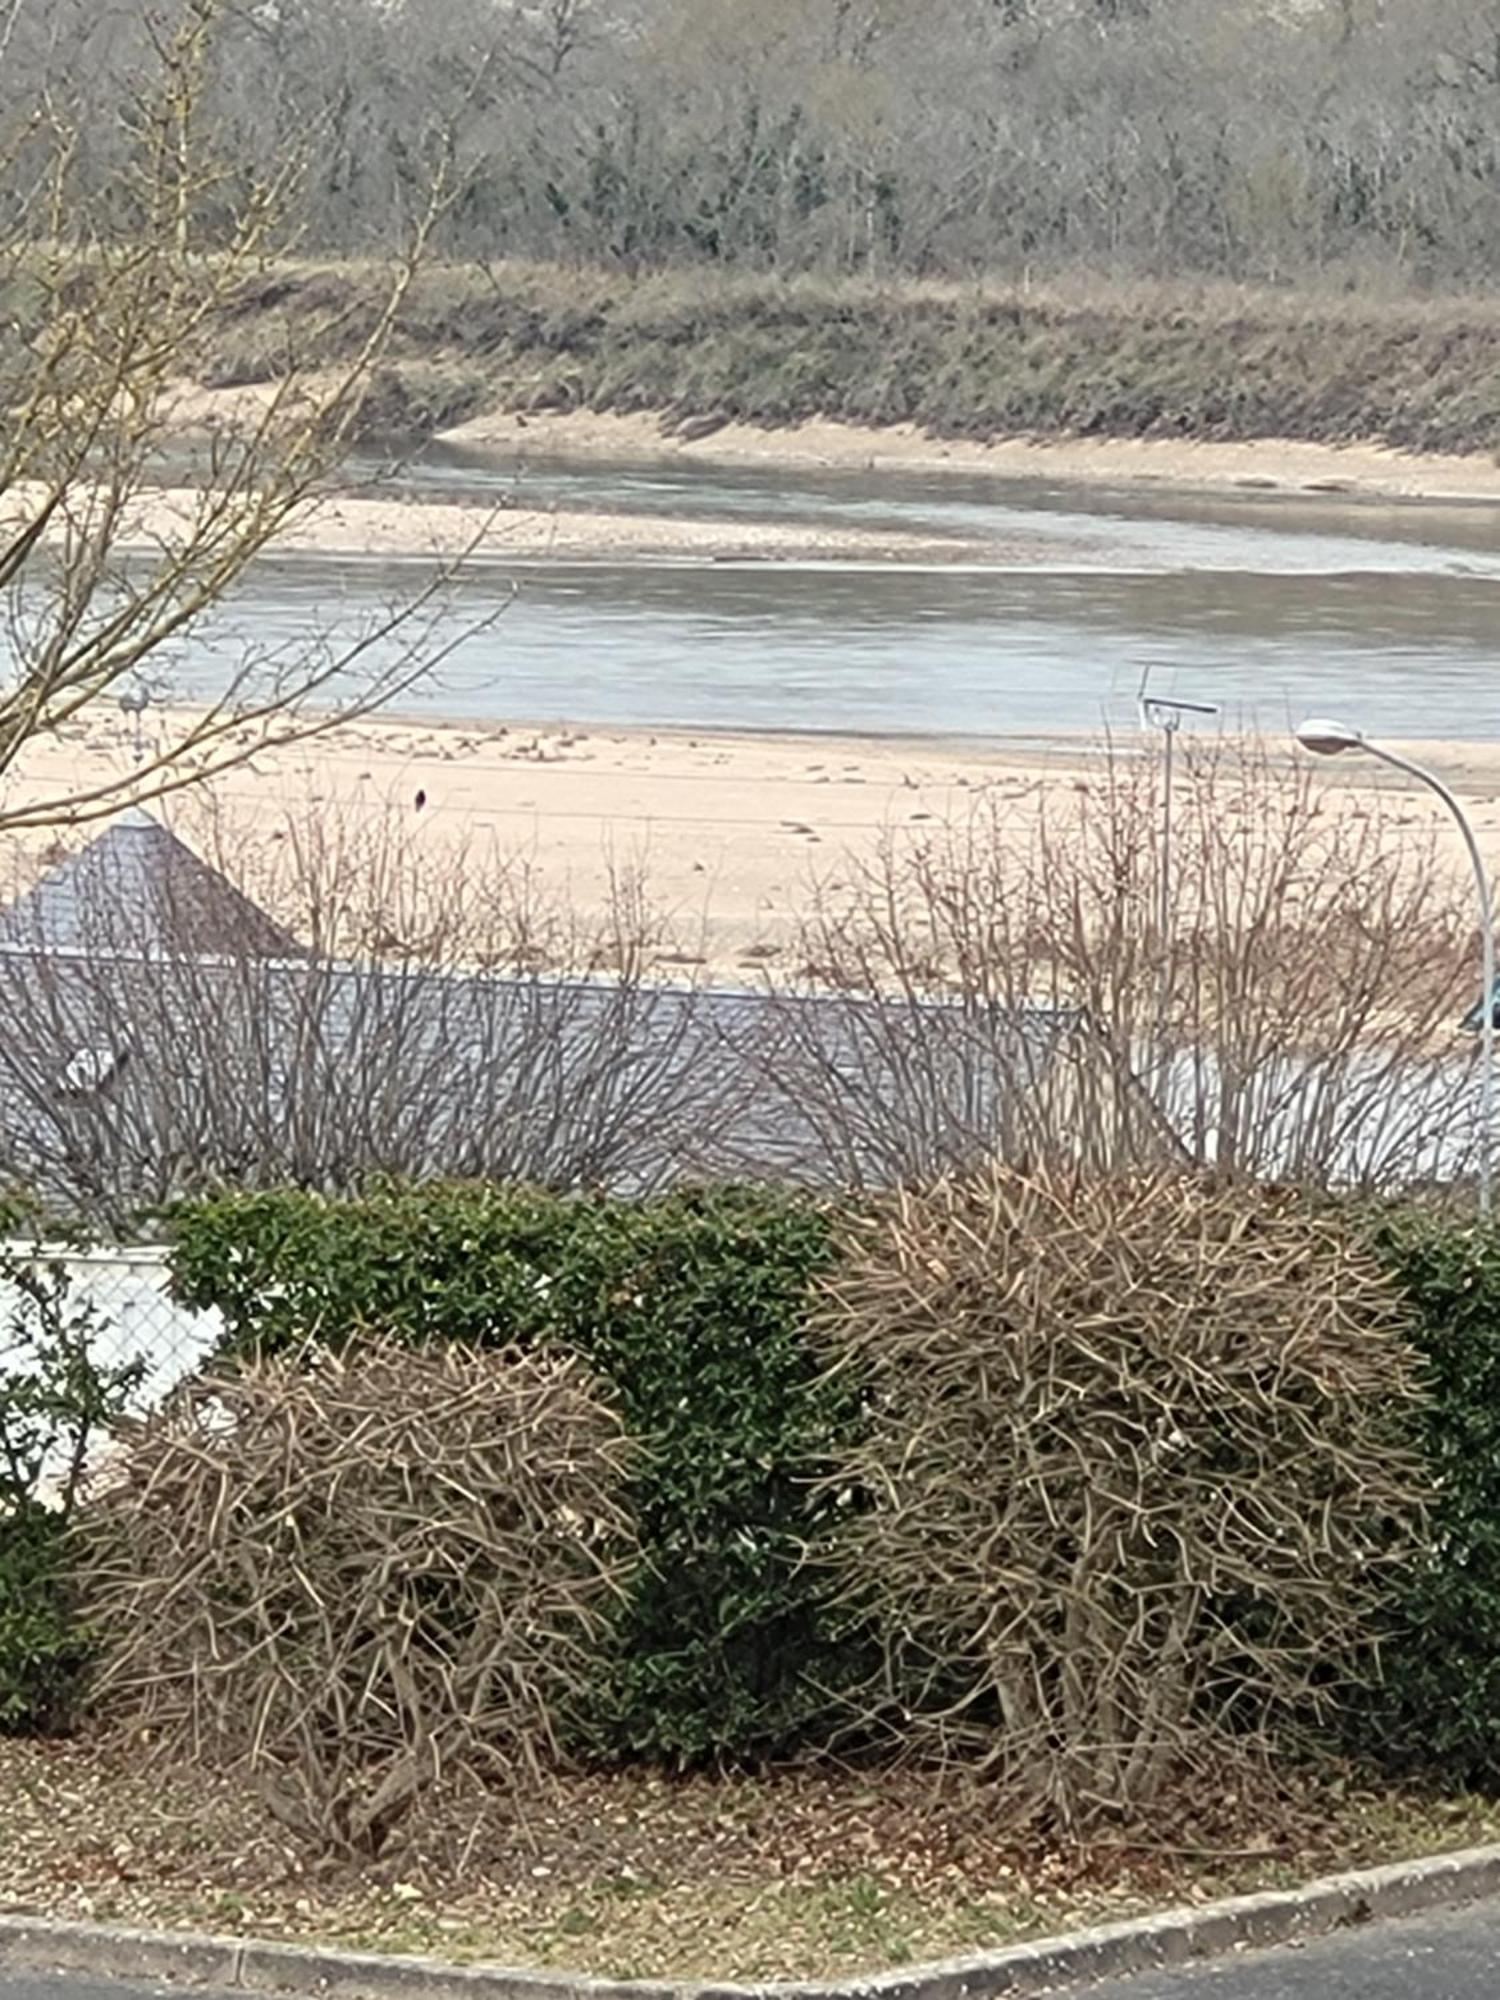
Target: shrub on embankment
x=958 y=361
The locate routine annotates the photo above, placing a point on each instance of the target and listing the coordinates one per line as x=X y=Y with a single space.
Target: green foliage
x=55 y=1395
x=692 y=1307
x=42 y=1649
x=1439 y=1710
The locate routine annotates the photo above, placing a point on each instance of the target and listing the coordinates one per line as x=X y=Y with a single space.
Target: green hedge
x=1438 y=1710
x=692 y=1307
x=43 y=1649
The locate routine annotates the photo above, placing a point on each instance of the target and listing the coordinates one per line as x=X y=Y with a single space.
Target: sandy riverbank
x=1200 y=465
x=1361 y=470
x=383 y=526
x=374 y=526
x=370 y=524
x=730 y=832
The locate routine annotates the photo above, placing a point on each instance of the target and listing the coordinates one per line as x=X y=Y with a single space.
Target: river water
x=1267 y=604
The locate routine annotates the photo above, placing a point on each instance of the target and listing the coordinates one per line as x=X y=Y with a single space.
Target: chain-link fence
x=125 y=1290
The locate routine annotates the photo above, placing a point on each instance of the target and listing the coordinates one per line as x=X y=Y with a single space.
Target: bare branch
x=350 y=1575
x=101 y=570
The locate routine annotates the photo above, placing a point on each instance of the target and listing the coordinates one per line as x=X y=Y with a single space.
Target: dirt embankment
x=695 y=354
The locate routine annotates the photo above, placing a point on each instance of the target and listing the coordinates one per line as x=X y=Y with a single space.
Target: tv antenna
x=1166 y=713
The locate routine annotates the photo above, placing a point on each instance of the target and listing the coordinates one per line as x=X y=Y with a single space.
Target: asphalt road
x=1453 y=1955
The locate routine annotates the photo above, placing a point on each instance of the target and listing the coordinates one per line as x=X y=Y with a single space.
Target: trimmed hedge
x=1438 y=1711
x=692 y=1307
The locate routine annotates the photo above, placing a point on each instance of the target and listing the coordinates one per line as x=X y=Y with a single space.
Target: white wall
x=138 y=1317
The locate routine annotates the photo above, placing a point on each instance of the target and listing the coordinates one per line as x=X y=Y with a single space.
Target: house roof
x=138 y=892
x=125 y=1083
x=165 y=1033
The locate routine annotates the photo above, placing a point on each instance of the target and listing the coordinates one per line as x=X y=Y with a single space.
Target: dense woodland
x=1356 y=141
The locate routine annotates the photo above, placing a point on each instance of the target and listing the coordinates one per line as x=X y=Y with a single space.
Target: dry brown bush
x=1134 y=1468
x=348 y=1576
x=1283 y=1007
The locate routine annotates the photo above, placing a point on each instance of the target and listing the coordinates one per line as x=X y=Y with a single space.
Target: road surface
x=1453 y=1955
x=1449 y=1955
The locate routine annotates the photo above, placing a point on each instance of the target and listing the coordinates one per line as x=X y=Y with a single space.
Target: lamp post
x=134 y=702
x=1330 y=739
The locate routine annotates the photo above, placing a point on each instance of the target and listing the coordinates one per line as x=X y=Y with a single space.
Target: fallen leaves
x=799 y=1874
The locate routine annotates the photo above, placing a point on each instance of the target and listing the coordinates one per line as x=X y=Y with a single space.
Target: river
x=1266 y=604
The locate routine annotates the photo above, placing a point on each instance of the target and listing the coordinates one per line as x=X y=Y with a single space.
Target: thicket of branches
x=1012 y=984
x=419 y=1014
x=352 y=1576
x=1160 y=136
x=1134 y=1472
x=1288 y=1010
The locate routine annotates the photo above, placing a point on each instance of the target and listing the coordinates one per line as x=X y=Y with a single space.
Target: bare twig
x=352 y=1575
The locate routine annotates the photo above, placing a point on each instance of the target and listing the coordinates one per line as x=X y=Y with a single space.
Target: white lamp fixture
x=1326 y=738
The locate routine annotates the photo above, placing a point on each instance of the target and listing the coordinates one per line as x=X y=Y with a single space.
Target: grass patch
x=630 y=1875
x=958 y=361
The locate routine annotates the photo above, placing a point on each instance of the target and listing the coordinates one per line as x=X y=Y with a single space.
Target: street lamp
x=134 y=703
x=1330 y=739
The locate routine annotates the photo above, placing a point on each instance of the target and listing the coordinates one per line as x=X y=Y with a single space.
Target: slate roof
x=141 y=1063
x=138 y=891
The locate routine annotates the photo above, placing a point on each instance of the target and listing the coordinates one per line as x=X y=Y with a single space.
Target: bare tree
x=1335 y=136
x=1296 y=1019
x=109 y=299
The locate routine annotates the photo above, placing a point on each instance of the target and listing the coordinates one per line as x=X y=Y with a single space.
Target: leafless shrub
x=350 y=1575
x=408 y=1011
x=1287 y=1011
x=1134 y=1471
x=1014 y=983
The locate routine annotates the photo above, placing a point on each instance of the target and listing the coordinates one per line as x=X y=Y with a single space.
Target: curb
x=1108 y=1951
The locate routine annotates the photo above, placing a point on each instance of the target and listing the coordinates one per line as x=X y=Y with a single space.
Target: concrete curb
x=1109 y=1951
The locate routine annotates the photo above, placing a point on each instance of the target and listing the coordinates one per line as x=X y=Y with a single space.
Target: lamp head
x=1326 y=738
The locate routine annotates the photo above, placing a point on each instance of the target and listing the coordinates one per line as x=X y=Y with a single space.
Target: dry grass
x=1137 y=360
x=630 y=1875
